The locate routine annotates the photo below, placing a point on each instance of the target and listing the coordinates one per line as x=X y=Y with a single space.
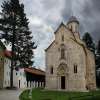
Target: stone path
x=10 y=94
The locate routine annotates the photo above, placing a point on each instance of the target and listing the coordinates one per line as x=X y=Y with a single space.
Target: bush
x=24 y=95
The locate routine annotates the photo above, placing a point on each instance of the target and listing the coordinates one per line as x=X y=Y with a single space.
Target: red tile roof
x=34 y=71
x=7 y=53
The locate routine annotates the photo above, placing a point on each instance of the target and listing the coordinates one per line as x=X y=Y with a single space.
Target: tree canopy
x=14 y=25
x=89 y=42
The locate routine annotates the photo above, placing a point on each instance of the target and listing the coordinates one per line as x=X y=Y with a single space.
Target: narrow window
x=71 y=27
x=8 y=82
x=62 y=51
x=5 y=82
x=51 y=70
x=62 y=37
x=1 y=58
x=75 y=68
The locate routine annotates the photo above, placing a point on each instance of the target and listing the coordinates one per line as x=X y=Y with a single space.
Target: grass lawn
x=40 y=94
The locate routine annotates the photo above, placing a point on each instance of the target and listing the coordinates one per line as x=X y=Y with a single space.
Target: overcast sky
x=46 y=15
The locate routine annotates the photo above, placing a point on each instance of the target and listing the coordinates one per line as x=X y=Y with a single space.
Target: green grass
x=40 y=94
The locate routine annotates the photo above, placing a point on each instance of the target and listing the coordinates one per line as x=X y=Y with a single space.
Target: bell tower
x=73 y=25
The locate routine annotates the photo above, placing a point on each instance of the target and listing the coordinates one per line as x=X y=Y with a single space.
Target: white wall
x=20 y=78
x=7 y=64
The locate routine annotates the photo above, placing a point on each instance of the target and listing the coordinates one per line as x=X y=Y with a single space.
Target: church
x=70 y=66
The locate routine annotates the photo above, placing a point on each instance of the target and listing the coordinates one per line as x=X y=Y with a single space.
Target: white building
x=19 y=78
x=7 y=63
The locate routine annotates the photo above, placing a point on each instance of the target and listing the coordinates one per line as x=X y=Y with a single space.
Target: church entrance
x=62 y=75
x=62 y=82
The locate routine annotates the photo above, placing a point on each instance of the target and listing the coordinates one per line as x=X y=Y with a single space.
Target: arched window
x=62 y=51
x=62 y=37
x=70 y=27
x=75 y=68
x=51 y=70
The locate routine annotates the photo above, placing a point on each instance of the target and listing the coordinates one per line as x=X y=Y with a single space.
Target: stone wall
x=91 y=71
x=75 y=54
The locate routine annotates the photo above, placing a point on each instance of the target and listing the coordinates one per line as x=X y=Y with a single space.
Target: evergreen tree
x=89 y=42
x=98 y=64
x=14 y=25
x=27 y=45
x=98 y=56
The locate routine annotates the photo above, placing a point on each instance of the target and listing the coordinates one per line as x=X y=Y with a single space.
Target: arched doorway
x=62 y=76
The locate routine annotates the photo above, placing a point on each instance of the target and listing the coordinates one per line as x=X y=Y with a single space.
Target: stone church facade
x=70 y=65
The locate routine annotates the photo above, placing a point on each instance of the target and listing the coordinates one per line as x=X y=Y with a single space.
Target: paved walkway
x=10 y=94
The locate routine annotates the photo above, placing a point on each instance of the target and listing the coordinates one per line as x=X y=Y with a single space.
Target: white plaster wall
x=17 y=75
x=7 y=64
x=20 y=76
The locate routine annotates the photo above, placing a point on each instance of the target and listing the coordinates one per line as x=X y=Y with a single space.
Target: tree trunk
x=12 y=53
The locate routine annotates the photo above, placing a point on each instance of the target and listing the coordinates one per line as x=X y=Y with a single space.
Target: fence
x=35 y=84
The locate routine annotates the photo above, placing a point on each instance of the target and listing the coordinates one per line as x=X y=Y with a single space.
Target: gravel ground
x=10 y=94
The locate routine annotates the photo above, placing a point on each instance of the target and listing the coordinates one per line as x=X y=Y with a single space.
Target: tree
x=25 y=36
x=98 y=55
x=98 y=64
x=14 y=26
x=89 y=42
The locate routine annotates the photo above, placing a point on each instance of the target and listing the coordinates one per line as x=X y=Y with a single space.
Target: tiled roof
x=34 y=71
x=7 y=53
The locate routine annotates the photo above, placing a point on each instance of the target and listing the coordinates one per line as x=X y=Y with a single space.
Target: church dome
x=73 y=19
